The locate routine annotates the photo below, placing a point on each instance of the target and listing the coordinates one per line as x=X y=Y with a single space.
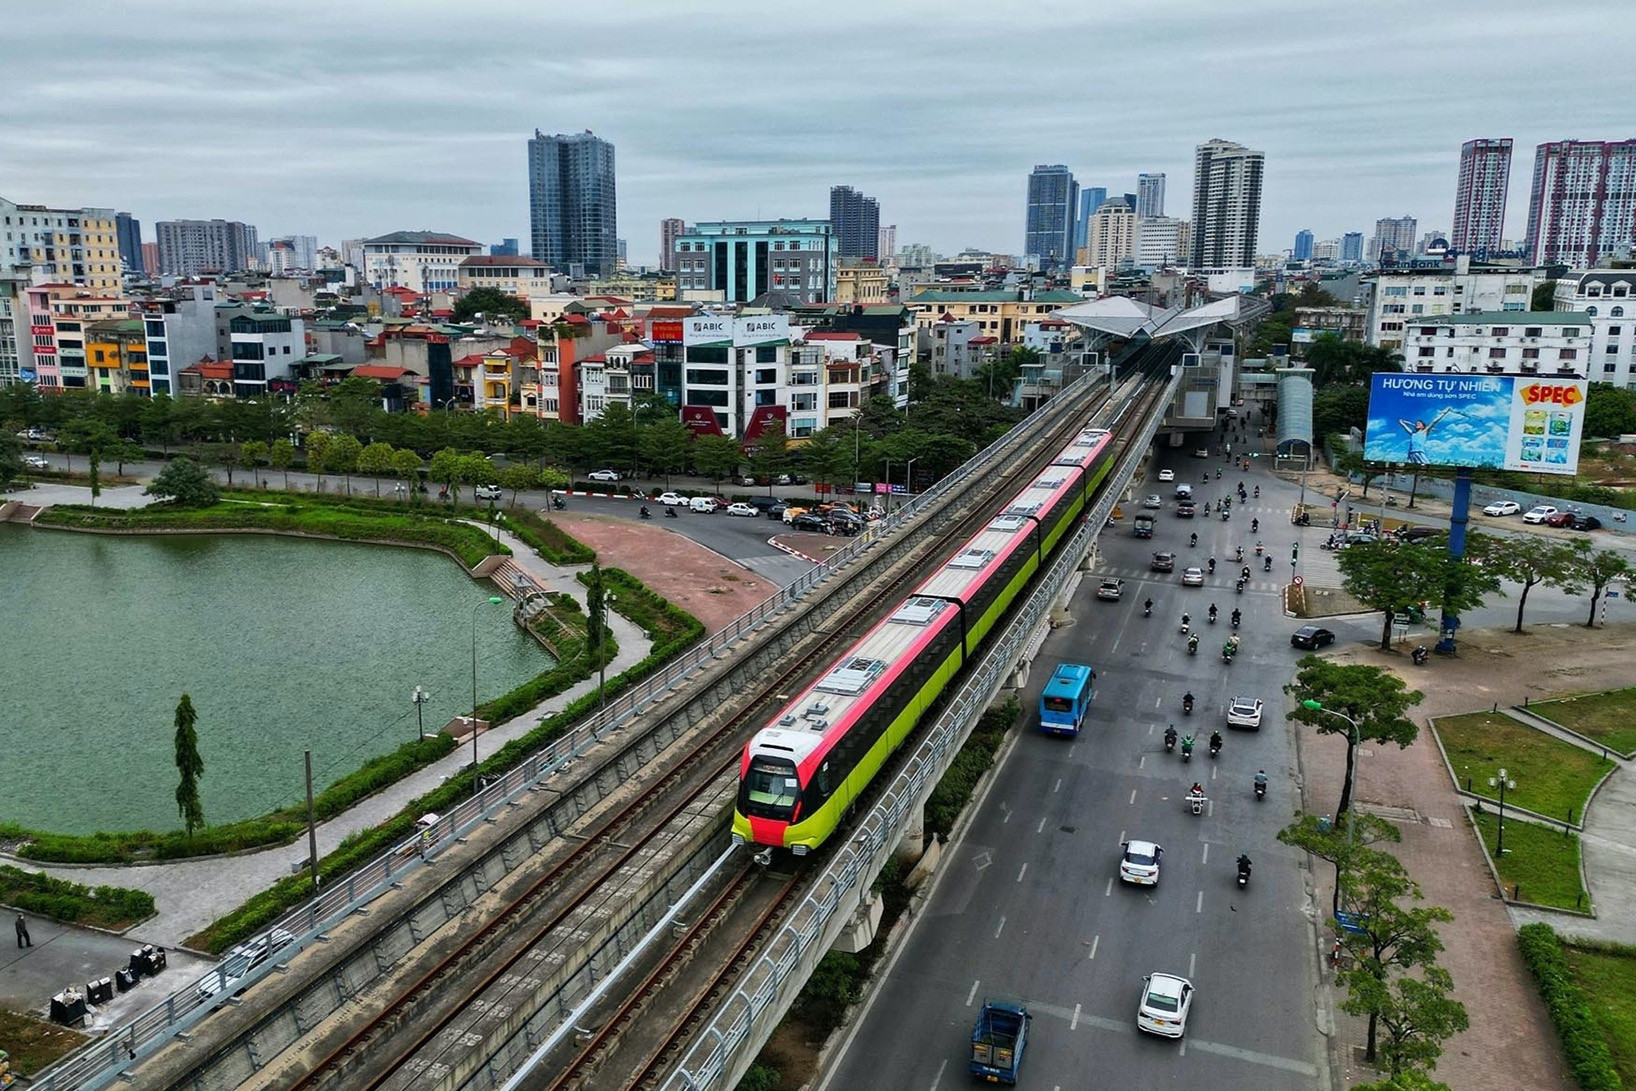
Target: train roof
x=1086 y=446
x=828 y=707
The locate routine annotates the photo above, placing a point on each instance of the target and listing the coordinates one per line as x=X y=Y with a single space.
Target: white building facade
x=422 y=261
x=1406 y=294
x=1607 y=298
x=1163 y=240
x=1529 y=342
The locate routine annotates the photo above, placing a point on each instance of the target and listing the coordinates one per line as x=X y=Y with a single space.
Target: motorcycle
x=1215 y=745
x=1258 y=492
x=1212 y=566
x=1243 y=870
x=1147 y=608
x=1244 y=573
x=1240 y=555
x=670 y=513
x=1239 y=587
x=1170 y=739
x=1196 y=802
x=646 y=514
x=1187 y=705
x=1255 y=528
x=1187 y=748
x=1224 y=516
x=1227 y=653
x=1192 y=543
x=1420 y=655
x=1237 y=617
x=557 y=502
x=1193 y=644
x=1187 y=623
x=1260 y=786
x=1257 y=545
x=1212 y=614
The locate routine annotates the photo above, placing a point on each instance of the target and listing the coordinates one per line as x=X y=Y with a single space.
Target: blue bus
x=1066 y=699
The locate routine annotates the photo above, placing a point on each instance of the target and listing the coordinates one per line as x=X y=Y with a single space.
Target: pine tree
x=190 y=765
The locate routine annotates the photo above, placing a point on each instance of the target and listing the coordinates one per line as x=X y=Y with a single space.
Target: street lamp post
x=493 y=600
x=908 y=477
x=1352 y=775
x=1502 y=783
x=420 y=697
x=887 y=503
x=857 y=467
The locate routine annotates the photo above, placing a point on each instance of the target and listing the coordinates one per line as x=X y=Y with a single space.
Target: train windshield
x=771 y=788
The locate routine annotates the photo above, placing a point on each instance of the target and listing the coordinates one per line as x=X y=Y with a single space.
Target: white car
x=1139 y=863
x=603 y=475
x=1110 y=589
x=1539 y=514
x=1167 y=475
x=241 y=960
x=1503 y=507
x=1192 y=577
x=1153 y=501
x=743 y=509
x=489 y=492
x=1166 y=1000
x=35 y=462
x=673 y=499
x=1245 y=712
x=704 y=505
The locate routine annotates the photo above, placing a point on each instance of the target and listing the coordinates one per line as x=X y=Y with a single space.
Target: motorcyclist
x=1193 y=644
x=1212 y=612
x=670 y=512
x=1255 y=526
x=1241 y=554
x=1147 y=607
x=1215 y=740
x=1243 y=864
x=1187 y=701
x=1245 y=573
x=1266 y=564
x=1194 y=540
x=645 y=513
x=1218 y=475
x=1237 y=617
x=1212 y=566
x=1196 y=790
x=1170 y=736
x=1187 y=619
x=1258 y=492
x=1207 y=507
x=1261 y=779
x=1187 y=743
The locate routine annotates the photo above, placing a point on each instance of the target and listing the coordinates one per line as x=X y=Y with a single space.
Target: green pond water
x=284 y=644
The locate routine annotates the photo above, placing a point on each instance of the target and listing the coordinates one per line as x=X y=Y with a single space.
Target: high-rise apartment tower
x=571 y=202
x=1479 y=198
x=1226 y=204
x=1150 y=196
x=1583 y=200
x=1053 y=201
x=857 y=223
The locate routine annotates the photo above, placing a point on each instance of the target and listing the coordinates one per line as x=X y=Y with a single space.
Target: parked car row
x=1546 y=515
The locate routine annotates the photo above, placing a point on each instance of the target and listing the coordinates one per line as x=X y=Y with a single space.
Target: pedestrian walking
x=23 y=939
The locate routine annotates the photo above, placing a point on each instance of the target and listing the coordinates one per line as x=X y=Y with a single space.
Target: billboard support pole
x=1458 y=519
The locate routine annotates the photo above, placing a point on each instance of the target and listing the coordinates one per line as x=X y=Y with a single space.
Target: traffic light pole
x=1458 y=518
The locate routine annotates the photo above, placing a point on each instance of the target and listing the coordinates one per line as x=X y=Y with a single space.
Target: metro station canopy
x=1121 y=316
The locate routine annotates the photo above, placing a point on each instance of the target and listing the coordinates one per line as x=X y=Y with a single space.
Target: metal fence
x=102 y=1061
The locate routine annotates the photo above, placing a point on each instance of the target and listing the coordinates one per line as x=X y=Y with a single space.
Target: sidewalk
x=193 y=893
x=1511 y=1041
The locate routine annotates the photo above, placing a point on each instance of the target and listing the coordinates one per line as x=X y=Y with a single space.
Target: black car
x=776 y=511
x=1184 y=510
x=1418 y=534
x=844 y=522
x=1311 y=637
x=1163 y=562
x=762 y=503
x=810 y=520
x=1581 y=521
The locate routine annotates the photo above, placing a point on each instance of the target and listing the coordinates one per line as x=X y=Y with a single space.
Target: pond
x=284 y=645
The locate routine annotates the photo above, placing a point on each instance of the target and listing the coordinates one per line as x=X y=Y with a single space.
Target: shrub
x=1582 y=1042
x=546 y=538
x=836 y=984
x=953 y=792
x=110 y=907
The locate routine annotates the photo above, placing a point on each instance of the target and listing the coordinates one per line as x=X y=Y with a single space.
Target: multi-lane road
x=1030 y=904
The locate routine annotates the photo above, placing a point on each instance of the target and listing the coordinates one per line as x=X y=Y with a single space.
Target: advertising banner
x=1509 y=422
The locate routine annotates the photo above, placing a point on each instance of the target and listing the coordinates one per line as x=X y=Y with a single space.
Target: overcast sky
x=357 y=118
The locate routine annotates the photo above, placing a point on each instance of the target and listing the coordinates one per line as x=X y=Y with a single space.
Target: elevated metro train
x=800 y=773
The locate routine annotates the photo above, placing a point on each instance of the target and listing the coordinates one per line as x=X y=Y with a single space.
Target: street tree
x=769 y=456
x=185 y=483
x=84 y=436
x=1387 y=935
x=254 y=453
x=1351 y=463
x=1376 y=700
x=1529 y=560
x=1404 y=1081
x=614 y=435
x=405 y=465
x=716 y=456
x=1340 y=408
x=475 y=470
x=1418 y=1015
x=318 y=445
x=190 y=765
x=445 y=469
x=228 y=458
x=342 y=457
x=1544 y=297
x=376 y=460
x=1395 y=577
x=1597 y=568
x=491 y=303
x=596 y=626
x=96 y=474
x=281 y=456
x=664 y=445
x=121 y=451
x=1337 y=361
x=518 y=476
x=11 y=455
x=827 y=456
x=1346 y=846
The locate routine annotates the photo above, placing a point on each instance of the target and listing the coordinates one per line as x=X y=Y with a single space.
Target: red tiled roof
x=501 y=260
x=472 y=360
x=983 y=341
x=830 y=335
x=576 y=320
x=380 y=371
x=595 y=358
x=209 y=369
x=530 y=323
x=670 y=312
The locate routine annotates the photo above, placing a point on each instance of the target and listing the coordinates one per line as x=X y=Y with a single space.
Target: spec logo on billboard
x=1553 y=393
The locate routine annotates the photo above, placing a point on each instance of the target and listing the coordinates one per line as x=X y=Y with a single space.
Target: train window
x=824 y=786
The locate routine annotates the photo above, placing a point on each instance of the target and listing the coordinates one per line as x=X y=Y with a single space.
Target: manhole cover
x=1067 y=829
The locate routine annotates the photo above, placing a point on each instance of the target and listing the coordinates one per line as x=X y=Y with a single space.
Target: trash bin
x=99 y=991
x=147 y=960
x=126 y=980
x=68 y=1008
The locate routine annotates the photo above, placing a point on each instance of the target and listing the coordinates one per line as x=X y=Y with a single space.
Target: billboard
x=1498 y=422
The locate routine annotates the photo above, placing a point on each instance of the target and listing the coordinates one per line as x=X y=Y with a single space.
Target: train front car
x=800 y=773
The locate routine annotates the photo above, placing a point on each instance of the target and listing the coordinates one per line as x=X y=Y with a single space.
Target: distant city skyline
x=357 y=141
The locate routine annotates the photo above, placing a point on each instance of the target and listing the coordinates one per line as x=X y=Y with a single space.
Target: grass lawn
x=33 y=1044
x=1552 y=777
x=1540 y=859
x=1609 y=718
x=1608 y=977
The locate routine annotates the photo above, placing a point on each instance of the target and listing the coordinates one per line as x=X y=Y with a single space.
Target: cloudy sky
x=357 y=118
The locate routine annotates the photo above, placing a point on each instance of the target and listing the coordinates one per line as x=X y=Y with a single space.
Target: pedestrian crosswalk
x=1221 y=582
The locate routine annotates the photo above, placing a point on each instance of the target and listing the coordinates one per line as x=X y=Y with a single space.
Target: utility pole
x=312 y=828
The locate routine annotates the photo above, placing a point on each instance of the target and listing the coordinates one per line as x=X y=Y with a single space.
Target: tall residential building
x=129 y=231
x=505 y=248
x=736 y=261
x=571 y=202
x=1583 y=201
x=887 y=245
x=1053 y=197
x=1111 y=238
x=669 y=231
x=857 y=222
x=1479 y=197
x=1226 y=204
x=1150 y=196
x=1352 y=246
x=1091 y=198
x=62 y=245
x=1393 y=236
x=1163 y=241
x=190 y=247
x=291 y=253
x=1303 y=245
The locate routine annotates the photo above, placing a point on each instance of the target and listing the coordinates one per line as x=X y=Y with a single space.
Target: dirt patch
x=33 y=1043
x=701 y=581
x=795 y=1058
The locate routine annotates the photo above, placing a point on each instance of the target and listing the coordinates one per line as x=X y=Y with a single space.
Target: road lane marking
x=1041 y=827
x=1095 y=940
x=1199 y=907
x=937 y=1079
x=1001 y=926
x=1133 y=797
x=973 y=993
x=1023 y=872
x=1058 y=786
x=1141 y=763
x=1108 y=891
x=1192 y=963
x=1121 y=838
x=1074 y=1023
x=1220 y=1049
x=1206 y=858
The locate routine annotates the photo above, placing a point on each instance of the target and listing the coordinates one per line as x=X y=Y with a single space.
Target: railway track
x=431 y=1027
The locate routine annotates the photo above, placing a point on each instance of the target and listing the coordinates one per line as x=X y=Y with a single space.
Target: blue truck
x=997 y=1040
